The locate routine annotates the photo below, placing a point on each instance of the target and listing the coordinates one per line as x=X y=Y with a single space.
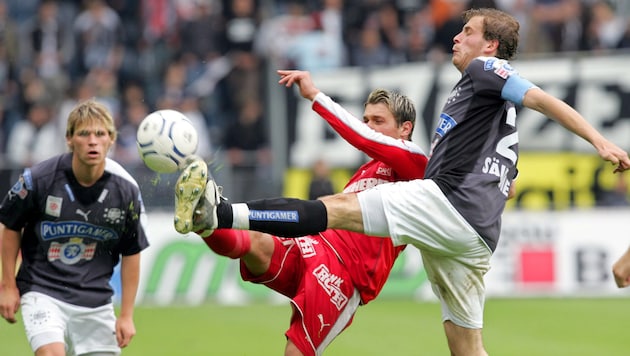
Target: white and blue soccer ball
x=166 y=139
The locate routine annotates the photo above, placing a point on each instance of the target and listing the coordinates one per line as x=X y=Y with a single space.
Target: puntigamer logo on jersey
x=55 y=230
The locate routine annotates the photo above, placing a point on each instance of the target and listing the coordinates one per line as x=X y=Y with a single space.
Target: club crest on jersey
x=332 y=285
x=501 y=67
x=19 y=189
x=114 y=215
x=71 y=252
x=53 y=206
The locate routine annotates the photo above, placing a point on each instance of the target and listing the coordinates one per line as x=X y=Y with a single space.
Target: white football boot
x=189 y=188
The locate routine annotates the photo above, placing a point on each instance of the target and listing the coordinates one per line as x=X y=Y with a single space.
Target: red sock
x=230 y=243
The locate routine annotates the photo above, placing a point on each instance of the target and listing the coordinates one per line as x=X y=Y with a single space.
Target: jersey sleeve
x=17 y=202
x=406 y=158
x=493 y=74
x=135 y=240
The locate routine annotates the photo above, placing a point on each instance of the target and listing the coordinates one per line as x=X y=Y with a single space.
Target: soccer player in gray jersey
x=453 y=216
x=74 y=217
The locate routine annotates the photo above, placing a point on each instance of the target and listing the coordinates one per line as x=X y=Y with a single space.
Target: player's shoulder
x=498 y=66
x=50 y=166
x=117 y=170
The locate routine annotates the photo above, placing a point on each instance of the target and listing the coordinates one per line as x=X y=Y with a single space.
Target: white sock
x=240 y=216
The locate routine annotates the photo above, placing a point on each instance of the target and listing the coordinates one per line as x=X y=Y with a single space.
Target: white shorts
x=454 y=255
x=82 y=330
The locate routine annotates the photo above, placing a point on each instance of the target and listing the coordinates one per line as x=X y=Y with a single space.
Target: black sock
x=287 y=217
x=224 y=215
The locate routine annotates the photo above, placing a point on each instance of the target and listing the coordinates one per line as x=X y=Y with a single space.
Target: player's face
x=470 y=44
x=90 y=143
x=380 y=119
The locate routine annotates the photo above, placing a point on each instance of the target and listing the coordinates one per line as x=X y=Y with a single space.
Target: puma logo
x=84 y=214
x=323 y=324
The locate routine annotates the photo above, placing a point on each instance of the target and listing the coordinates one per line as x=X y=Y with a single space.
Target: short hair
x=87 y=112
x=498 y=25
x=399 y=105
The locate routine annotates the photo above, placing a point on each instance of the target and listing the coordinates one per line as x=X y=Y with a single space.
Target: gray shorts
x=454 y=255
x=83 y=330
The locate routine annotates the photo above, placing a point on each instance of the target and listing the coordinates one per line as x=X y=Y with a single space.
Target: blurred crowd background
x=209 y=59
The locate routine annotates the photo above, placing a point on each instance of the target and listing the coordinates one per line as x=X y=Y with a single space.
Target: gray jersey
x=73 y=236
x=474 y=151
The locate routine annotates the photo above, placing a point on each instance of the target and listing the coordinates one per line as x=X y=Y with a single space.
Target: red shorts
x=324 y=299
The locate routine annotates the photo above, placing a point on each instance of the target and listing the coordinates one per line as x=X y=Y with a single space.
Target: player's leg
x=458 y=283
x=45 y=335
x=285 y=217
x=326 y=300
x=254 y=248
x=464 y=341
x=453 y=254
x=291 y=349
x=91 y=331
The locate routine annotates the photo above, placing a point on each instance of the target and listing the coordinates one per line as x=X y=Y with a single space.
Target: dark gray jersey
x=474 y=151
x=73 y=236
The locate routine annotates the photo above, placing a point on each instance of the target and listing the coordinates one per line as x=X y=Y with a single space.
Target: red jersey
x=369 y=259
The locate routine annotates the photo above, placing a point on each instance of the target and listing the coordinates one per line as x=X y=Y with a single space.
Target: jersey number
x=503 y=147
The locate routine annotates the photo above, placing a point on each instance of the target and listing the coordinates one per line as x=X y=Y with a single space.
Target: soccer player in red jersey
x=330 y=274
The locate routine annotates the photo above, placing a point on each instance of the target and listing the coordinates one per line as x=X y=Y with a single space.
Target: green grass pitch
x=514 y=327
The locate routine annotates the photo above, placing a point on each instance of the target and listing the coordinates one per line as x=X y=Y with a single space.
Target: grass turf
x=384 y=327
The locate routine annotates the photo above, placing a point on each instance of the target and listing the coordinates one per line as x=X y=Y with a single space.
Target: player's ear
x=69 y=143
x=493 y=46
x=405 y=130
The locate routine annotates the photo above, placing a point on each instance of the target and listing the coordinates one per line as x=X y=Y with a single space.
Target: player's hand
x=125 y=331
x=9 y=303
x=615 y=155
x=621 y=270
x=302 y=79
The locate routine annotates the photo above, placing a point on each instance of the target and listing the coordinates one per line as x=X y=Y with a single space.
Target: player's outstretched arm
x=302 y=79
x=621 y=270
x=556 y=109
x=9 y=294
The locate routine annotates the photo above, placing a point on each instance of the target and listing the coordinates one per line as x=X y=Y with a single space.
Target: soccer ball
x=166 y=138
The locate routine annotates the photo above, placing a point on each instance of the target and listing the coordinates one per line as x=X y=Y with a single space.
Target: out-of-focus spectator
x=606 y=29
x=126 y=150
x=370 y=51
x=99 y=38
x=247 y=145
x=244 y=79
x=48 y=46
x=105 y=83
x=316 y=50
x=556 y=25
x=386 y=19
x=448 y=26
x=420 y=34
x=7 y=121
x=34 y=138
x=278 y=33
x=521 y=10
x=321 y=184
x=202 y=36
x=9 y=52
x=616 y=196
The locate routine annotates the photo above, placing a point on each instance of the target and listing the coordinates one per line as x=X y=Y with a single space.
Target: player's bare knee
x=259 y=256
x=343 y=211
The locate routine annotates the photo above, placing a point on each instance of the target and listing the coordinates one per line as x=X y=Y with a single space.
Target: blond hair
x=89 y=112
x=399 y=105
